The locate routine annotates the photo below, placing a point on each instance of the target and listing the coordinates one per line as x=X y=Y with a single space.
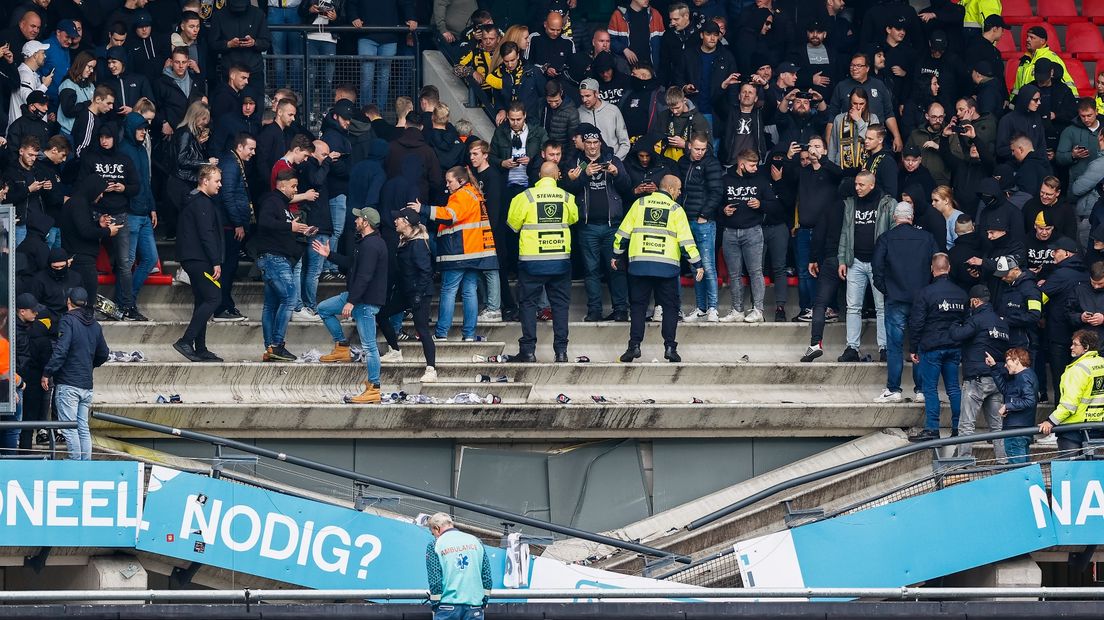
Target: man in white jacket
x=605 y=117
x=34 y=56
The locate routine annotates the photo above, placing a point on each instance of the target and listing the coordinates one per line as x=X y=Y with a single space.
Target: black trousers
x=398 y=303
x=558 y=288
x=35 y=408
x=666 y=291
x=828 y=283
x=168 y=212
x=85 y=266
x=206 y=299
x=230 y=261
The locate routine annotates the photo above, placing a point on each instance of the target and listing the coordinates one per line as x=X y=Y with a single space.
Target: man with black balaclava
x=49 y=286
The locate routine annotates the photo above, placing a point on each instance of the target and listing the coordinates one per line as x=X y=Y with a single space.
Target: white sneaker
x=711 y=316
x=917 y=397
x=181 y=277
x=755 y=316
x=888 y=397
x=694 y=316
x=305 y=315
x=657 y=314
x=490 y=316
x=429 y=376
x=734 y=316
x=394 y=356
x=1050 y=441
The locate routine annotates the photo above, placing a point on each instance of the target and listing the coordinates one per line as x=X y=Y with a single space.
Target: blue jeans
x=286 y=43
x=365 y=317
x=896 y=318
x=329 y=310
x=311 y=270
x=320 y=53
x=806 y=283
x=279 y=297
x=337 y=214
x=53 y=238
x=859 y=276
x=297 y=281
x=934 y=364
x=446 y=611
x=465 y=281
x=1016 y=448
x=705 y=236
x=9 y=441
x=493 y=286
x=596 y=242
x=73 y=403
x=141 y=234
x=20 y=234
x=369 y=93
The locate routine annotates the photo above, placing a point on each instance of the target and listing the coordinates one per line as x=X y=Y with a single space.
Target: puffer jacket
x=702 y=188
x=561 y=122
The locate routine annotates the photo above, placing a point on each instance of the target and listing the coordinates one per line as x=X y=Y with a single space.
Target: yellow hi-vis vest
x=657 y=231
x=1082 y=391
x=543 y=215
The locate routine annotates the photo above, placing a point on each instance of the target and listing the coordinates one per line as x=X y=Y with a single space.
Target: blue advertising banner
x=70 y=503
x=1076 y=508
x=281 y=537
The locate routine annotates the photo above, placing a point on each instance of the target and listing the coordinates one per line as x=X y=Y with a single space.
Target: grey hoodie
x=607 y=118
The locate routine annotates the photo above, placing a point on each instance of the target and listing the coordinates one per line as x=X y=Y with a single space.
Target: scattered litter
x=582 y=359
x=696 y=401
x=310 y=357
x=181 y=277
x=171 y=399
x=123 y=356
x=563 y=399
x=471 y=398
x=745 y=359
x=422 y=399
x=648 y=401
x=490 y=379
x=598 y=399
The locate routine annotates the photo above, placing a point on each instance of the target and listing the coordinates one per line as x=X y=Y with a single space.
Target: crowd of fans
x=874 y=151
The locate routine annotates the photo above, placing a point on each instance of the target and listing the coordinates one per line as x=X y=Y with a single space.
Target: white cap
x=30 y=48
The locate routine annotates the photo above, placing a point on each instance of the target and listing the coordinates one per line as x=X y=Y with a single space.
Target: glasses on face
x=858 y=66
x=1036 y=99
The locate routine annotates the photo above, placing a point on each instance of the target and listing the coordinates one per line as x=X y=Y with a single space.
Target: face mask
x=34 y=113
x=989 y=200
x=640 y=84
x=59 y=274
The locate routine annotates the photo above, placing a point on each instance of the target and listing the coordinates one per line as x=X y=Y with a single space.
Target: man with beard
x=879 y=97
x=744 y=126
x=817 y=67
x=800 y=117
x=929 y=139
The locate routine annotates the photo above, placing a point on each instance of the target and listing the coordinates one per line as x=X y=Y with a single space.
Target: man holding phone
x=34 y=56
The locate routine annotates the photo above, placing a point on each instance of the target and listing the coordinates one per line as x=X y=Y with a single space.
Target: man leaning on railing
x=1082 y=391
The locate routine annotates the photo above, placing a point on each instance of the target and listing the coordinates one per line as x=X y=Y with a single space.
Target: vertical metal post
x=308 y=108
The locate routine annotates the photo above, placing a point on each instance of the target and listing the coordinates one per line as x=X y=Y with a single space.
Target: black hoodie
x=925 y=216
x=80 y=231
x=658 y=166
x=1020 y=120
x=34 y=245
x=112 y=167
x=994 y=205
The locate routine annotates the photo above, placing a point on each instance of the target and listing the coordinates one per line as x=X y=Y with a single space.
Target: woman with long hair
x=413 y=292
x=845 y=142
x=77 y=88
x=189 y=151
x=943 y=200
x=517 y=34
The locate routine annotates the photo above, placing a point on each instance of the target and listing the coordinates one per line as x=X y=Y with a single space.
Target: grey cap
x=1005 y=264
x=589 y=84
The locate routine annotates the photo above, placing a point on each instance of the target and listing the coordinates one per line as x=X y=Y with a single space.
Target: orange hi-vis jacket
x=464 y=238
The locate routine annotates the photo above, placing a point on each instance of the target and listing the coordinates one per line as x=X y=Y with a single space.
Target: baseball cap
x=711 y=27
x=787 y=67
x=588 y=84
x=143 y=18
x=410 y=215
x=117 y=53
x=1065 y=243
x=938 y=41
x=998 y=221
x=345 y=109
x=36 y=96
x=1038 y=31
x=994 y=21
x=68 y=27
x=78 y=296
x=913 y=150
x=30 y=48
x=979 y=291
x=368 y=213
x=1005 y=264
x=26 y=301
x=815 y=26
x=984 y=68
x=898 y=23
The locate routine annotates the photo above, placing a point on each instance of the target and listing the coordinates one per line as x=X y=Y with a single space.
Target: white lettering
x=1064 y=507
x=304 y=544
x=254 y=528
x=53 y=502
x=377 y=548
x=1093 y=495
x=17 y=496
x=1038 y=497
x=122 y=519
x=88 y=502
x=342 y=555
x=193 y=511
x=271 y=521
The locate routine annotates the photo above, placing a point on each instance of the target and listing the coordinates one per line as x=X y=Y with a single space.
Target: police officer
x=1082 y=390
x=1019 y=301
x=983 y=332
x=542 y=216
x=655 y=230
x=935 y=309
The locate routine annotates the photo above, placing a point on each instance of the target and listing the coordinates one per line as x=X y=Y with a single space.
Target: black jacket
x=737 y=191
x=80 y=231
x=1061 y=216
x=367 y=279
x=35 y=345
x=1020 y=120
x=966 y=247
x=128 y=88
x=415 y=270
x=34 y=244
x=51 y=288
x=1086 y=299
x=338 y=141
x=199 y=233
x=313 y=175
x=412 y=142
x=79 y=349
x=381 y=13
x=189 y=156
x=18 y=179
x=1032 y=170
x=936 y=308
x=902 y=262
x=1057 y=293
x=1021 y=304
x=27 y=125
x=983 y=332
x=172 y=103
x=274 y=234
x=237 y=21
x=816 y=189
x=561 y=122
x=657 y=168
x=112 y=167
x=702 y=186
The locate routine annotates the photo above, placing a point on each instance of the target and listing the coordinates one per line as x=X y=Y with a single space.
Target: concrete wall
x=454 y=93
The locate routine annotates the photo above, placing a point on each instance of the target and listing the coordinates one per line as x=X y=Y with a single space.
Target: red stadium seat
x=1053 y=42
x=1094 y=10
x=1059 y=11
x=1079 y=75
x=107 y=278
x=1007 y=47
x=1083 y=40
x=1010 y=72
x=1018 y=12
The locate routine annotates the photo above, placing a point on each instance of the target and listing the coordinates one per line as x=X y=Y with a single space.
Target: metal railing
x=683 y=595
x=389 y=485
x=50 y=425
x=879 y=458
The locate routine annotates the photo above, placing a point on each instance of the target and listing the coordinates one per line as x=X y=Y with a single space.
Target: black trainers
x=187 y=351
x=593 y=317
x=882 y=355
x=228 y=316
x=814 y=351
x=925 y=435
x=280 y=354
x=207 y=356
x=631 y=353
x=132 y=314
x=780 y=314
x=806 y=316
x=849 y=355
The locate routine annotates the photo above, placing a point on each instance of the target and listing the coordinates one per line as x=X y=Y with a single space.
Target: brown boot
x=339 y=354
x=370 y=396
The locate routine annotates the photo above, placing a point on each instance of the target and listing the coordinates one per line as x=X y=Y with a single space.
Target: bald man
x=550 y=51
x=542 y=216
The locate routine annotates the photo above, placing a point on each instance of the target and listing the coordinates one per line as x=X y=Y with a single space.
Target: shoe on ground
x=593 y=317
x=671 y=355
x=228 y=316
x=524 y=358
x=806 y=316
x=511 y=316
x=882 y=355
x=561 y=357
x=631 y=353
x=780 y=315
x=208 y=356
x=187 y=351
x=693 y=317
x=181 y=277
x=755 y=316
x=888 y=397
x=657 y=314
x=429 y=376
x=340 y=354
x=394 y=356
x=545 y=314
x=490 y=316
x=305 y=315
x=132 y=314
x=711 y=316
x=925 y=435
x=620 y=316
x=734 y=316
x=437 y=338
x=277 y=353
x=830 y=316
x=370 y=396
x=917 y=397
x=814 y=351
x=849 y=355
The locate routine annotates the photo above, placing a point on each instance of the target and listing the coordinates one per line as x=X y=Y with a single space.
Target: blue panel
x=923 y=537
x=70 y=503
x=1077 y=503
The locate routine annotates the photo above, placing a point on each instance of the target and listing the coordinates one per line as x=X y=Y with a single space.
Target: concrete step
x=510 y=393
x=601 y=342
x=549 y=422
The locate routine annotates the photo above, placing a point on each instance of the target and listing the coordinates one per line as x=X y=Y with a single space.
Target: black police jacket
x=984 y=332
x=935 y=309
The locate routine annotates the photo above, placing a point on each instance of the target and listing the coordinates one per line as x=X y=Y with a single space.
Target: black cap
x=410 y=215
x=815 y=26
x=1038 y=31
x=938 y=41
x=586 y=129
x=913 y=150
x=57 y=255
x=899 y=22
x=36 y=96
x=26 y=301
x=979 y=291
x=117 y=53
x=786 y=67
x=984 y=68
x=711 y=27
x=345 y=109
x=998 y=221
x=994 y=21
x=78 y=296
x=1065 y=243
